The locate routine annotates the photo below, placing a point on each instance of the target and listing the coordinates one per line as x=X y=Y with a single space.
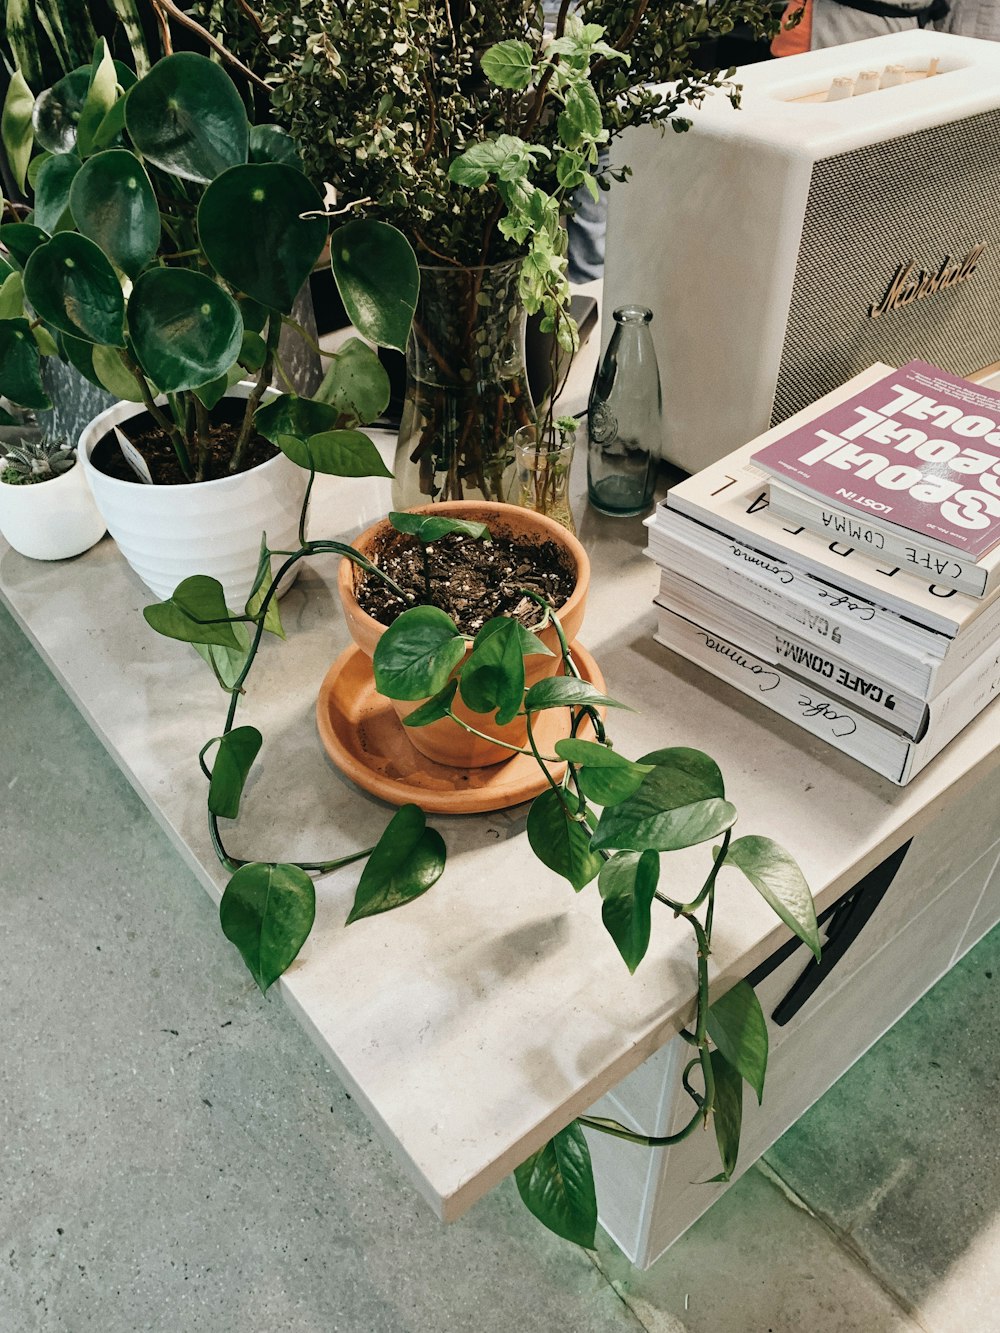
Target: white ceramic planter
x=167 y=533
x=51 y=520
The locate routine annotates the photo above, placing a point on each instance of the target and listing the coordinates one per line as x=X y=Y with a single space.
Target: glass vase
x=541 y=476
x=466 y=387
x=625 y=419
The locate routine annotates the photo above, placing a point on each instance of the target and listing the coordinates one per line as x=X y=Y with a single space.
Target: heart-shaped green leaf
x=436 y=707
x=57 y=111
x=112 y=202
x=21 y=239
x=233 y=760
x=492 y=680
x=336 y=453
x=427 y=528
x=195 y=613
x=267 y=911
x=185 y=328
x=531 y=645
x=53 y=189
x=408 y=858
x=627 y=883
x=70 y=282
x=227 y=663
x=737 y=1025
x=378 y=280
x=605 y=776
x=20 y=380
x=677 y=805
x=567 y=692
x=187 y=118
x=15 y=127
x=261 y=584
x=250 y=228
x=355 y=384
x=728 y=1113
x=417 y=654
x=557 y=1186
x=291 y=415
x=270 y=143
x=777 y=878
x=559 y=840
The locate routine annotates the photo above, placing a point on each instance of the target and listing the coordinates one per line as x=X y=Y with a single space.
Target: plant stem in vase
x=543 y=463
x=467 y=388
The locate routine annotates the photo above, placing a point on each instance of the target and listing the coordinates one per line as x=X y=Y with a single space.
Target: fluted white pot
x=167 y=533
x=51 y=520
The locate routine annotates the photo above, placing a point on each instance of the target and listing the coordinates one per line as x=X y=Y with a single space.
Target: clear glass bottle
x=625 y=418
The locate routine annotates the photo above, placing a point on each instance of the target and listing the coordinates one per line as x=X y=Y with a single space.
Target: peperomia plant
x=167 y=244
x=601 y=817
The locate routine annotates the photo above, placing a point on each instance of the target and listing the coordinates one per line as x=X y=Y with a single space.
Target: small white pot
x=168 y=533
x=51 y=520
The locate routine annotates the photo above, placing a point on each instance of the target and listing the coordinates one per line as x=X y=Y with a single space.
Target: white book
x=848 y=729
x=883 y=541
x=919 y=661
x=880 y=698
x=731 y=497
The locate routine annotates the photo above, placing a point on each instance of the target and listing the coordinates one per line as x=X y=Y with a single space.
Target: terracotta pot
x=443 y=741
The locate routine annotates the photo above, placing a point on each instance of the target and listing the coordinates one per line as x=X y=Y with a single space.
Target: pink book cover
x=919 y=449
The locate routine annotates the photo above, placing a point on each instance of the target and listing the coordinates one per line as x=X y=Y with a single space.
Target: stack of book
x=844 y=568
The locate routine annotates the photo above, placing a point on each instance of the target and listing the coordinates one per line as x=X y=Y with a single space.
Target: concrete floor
x=175 y=1157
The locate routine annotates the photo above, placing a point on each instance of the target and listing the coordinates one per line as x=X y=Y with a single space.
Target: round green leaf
x=112 y=203
x=267 y=911
x=53 y=189
x=57 y=111
x=407 y=860
x=378 y=279
x=185 y=329
x=12 y=296
x=70 y=282
x=417 y=653
x=20 y=380
x=113 y=375
x=250 y=229
x=20 y=239
x=270 y=143
x=187 y=118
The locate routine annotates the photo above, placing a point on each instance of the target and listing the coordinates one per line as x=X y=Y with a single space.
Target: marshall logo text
x=908 y=286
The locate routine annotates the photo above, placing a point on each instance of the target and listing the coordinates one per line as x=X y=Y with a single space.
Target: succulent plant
x=35 y=460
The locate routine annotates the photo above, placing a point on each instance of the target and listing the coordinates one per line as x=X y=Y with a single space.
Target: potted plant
x=600 y=816
x=168 y=241
x=472 y=127
x=46 y=509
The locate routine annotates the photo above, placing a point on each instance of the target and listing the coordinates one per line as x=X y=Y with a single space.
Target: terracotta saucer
x=364 y=738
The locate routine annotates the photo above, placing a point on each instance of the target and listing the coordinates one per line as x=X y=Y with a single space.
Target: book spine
x=882 y=541
x=856 y=628
x=845 y=728
x=849 y=730
x=871 y=694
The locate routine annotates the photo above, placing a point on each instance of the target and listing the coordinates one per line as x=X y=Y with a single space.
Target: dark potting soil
x=160 y=457
x=471 y=580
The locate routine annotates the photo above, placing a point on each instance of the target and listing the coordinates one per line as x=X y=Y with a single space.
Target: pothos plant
x=166 y=246
x=602 y=817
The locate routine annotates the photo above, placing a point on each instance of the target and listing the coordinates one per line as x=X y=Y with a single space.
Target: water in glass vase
x=467 y=390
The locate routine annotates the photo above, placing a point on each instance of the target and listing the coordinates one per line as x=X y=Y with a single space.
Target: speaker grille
x=921 y=196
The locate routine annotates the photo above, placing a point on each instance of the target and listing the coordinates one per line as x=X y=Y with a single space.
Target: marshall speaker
x=789 y=244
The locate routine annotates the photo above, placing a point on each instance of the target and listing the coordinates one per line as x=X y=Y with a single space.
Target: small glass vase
x=625 y=419
x=466 y=387
x=541 y=475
